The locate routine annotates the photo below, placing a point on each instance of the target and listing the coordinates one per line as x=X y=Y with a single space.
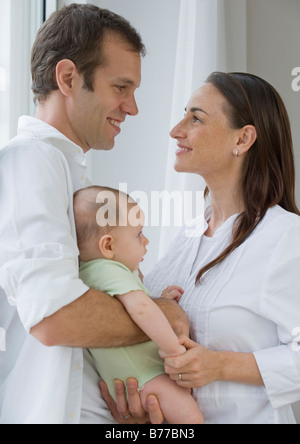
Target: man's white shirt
x=40 y=170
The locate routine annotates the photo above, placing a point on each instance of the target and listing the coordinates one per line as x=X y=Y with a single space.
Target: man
x=86 y=66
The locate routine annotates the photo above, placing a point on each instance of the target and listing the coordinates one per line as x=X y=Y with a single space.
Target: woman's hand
x=131 y=412
x=195 y=368
x=199 y=366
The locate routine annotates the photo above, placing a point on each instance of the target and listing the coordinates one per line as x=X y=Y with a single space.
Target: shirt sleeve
x=280 y=302
x=38 y=250
x=111 y=277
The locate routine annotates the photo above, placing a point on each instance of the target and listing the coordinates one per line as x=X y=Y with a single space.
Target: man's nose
x=129 y=106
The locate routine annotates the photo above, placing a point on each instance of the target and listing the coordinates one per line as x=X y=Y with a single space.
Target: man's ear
x=247 y=138
x=106 y=246
x=66 y=72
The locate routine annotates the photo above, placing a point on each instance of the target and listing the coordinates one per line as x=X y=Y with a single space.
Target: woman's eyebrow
x=192 y=110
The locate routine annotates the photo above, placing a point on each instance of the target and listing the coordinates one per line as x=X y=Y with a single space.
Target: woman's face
x=206 y=142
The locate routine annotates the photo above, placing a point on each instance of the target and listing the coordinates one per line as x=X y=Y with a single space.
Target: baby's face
x=130 y=246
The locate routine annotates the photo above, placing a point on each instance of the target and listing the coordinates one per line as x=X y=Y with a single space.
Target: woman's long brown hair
x=268 y=176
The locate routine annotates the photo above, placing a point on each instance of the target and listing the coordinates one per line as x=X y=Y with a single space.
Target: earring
x=237 y=153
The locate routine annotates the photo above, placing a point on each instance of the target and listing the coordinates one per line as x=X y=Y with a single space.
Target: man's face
x=96 y=116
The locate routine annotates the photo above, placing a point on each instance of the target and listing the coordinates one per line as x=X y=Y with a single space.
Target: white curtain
x=61 y=3
x=212 y=36
x=19 y=21
x=50 y=6
x=4 y=62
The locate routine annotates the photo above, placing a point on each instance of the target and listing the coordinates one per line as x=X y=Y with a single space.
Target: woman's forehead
x=207 y=99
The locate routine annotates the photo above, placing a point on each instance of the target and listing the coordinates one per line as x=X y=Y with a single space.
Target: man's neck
x=52 y=111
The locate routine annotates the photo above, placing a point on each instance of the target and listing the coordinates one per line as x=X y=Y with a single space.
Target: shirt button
x=72 y=415
x=77 y=366
x=82 y=178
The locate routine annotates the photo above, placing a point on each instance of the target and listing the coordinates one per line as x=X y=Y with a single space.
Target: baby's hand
x=173 y=293
x=180 y=351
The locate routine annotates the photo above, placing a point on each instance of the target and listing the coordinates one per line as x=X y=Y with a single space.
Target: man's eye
x=121 y=88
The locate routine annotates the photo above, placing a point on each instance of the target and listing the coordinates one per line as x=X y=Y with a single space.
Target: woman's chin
x=180 y=168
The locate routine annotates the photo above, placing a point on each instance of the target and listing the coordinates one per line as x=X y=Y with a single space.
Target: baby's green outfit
x=138 y=361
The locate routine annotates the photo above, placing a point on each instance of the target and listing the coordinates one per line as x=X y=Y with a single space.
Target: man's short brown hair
x=76 y=32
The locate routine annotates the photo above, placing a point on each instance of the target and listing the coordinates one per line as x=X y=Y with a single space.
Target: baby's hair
x=97 y=211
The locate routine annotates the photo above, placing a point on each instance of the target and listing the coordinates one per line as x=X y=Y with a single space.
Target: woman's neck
x=226 y=201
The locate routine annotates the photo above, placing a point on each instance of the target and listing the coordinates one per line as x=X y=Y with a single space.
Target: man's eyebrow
x=192 y=110
x=125 y=80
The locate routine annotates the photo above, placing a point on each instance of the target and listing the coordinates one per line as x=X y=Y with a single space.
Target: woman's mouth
x=183 y=150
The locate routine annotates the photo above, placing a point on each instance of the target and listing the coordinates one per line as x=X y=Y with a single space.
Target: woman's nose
x=177 y=131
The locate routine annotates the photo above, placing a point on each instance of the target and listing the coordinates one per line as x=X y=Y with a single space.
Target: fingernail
x=131 y=384
x=118 y=384
x=151 y=400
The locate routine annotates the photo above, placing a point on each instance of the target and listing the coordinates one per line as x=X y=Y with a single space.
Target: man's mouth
x=115 y=123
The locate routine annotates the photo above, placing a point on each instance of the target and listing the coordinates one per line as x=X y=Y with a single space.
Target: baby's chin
x=138 y=266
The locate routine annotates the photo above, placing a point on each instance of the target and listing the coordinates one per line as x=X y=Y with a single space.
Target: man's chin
x=102 y=147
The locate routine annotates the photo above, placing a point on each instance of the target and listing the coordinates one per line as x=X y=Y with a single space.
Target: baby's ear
x=106 y=246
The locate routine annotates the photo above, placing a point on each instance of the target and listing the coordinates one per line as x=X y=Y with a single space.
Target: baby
x=112 y=245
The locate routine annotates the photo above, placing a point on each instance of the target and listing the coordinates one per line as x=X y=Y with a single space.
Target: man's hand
x=175 y=315
x=131 y=411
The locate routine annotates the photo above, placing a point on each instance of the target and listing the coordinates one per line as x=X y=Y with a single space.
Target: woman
x=239 y=271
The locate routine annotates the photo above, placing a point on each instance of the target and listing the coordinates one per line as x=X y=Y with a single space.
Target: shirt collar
x=32 y=128
x=42 y=130
x=227 y=225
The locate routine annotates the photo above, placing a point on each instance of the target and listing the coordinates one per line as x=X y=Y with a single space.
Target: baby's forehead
x=113 y=210
x=132 y=215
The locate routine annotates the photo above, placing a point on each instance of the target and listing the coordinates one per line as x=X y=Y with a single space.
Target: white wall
x=273 y=52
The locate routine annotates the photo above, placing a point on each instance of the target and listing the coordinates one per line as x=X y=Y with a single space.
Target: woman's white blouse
x=250 y=303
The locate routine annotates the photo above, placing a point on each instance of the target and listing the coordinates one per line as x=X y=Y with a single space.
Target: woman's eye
x=196 y=119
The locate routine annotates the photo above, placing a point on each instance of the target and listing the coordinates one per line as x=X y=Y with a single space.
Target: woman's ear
x=247 y=138
x=106 y=246
x=65 y=74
